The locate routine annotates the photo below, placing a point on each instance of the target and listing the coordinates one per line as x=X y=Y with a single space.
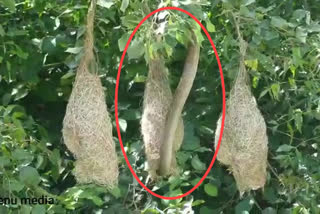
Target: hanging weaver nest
x=244 y=142
x=156 y=105
x=87 y=129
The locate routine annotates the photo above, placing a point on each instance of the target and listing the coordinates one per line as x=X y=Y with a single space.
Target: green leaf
x=123 y=41
x=206 y=130
x=182 y=157
x=210 y=27
x=130 y=21
x=197 y=164
x=264 y=92
x=4 y=161
x=297 y=57
x=275 y=89
x=285 y=148
x=6 y=99
x=136 y=49
x=291 y=132
x=253 y=64
x=255 y=81
x=203 y=149
x=270 y=194
x=244 y=206
x=74 y=50
x=195 y=181
x=124 y=5
x=299 y=14
x=279 y=22
x=38 y=209
x=22 y=92
x=91 y=195
x=191 y=143
x=22 y=155
x=2 y=32
x=169 y=49
x=182 y=38
x=174 y=193
x=11 y=4
x=97 y=200
x=57 y=23
x=34 y=65
x=115 y=192
x=248 y=2
x=313 y=27
x=140 y=78
x=25 y=209
x=48 y=45
x=29 y=176
x=301 y=34
x=14 y=185
x=198 y=202
x=20 y=53
x=244 y=11
x=206 y=210
x=174 y=182
x=123 y=125
x=211 y=190
x=8 y=65
x=105 y=3
x=270 y=34
x=269 y=210
x=298 y=119
x=131 y=114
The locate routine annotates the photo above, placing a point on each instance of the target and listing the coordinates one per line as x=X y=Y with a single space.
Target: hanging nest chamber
x=87 y=128
x=156 y=105
x=244 y=144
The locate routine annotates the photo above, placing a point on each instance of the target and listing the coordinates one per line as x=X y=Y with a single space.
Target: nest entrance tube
x=87 y=128
x=244 y=144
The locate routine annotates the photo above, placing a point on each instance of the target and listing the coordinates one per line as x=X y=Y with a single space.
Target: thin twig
x=275 y=174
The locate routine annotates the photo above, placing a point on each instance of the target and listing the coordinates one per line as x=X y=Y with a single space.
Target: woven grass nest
x=87 y=129
x=244 y=144
x=156 y=105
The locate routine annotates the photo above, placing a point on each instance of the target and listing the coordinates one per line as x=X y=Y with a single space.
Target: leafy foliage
x=40 y=46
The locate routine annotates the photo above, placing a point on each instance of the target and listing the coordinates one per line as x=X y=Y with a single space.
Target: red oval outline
x=116 y=103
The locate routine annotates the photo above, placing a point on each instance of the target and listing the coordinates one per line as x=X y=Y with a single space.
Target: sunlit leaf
x=275 y=89
x=11 y=4
x=210 y=27
x=74 y=50
x=136 y=49
x=253 y=64
x=197 y=164
x=105 y=3
x=211 y=190
x=279 y=22
x=124 y=5
x=285 y=148
x=123 y=41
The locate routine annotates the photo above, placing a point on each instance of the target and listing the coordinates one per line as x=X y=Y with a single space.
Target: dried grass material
x=156 y=104
x=87 y=129
x=244 y=142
